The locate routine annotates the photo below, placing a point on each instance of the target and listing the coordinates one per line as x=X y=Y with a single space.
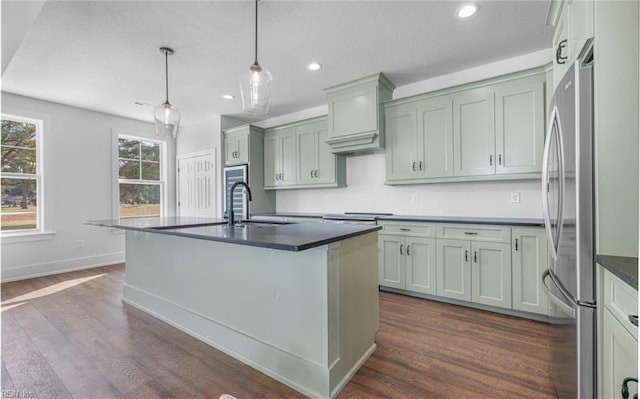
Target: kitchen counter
x=288 y=237
x=466 y=219
x=625 y=268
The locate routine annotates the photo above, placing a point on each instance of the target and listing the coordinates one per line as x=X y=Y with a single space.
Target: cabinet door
x=474 y=133
x=561 y=46
x=401 y=153
x=271 y=164
x=230 y=150
x=242 y=145
x=581 y=29
x=326 y=160
x=353 y=110
x=421 y=265
x=529 y=255
x=435 y=138
x=620 y=352
x=306 y=144
x=391 y=261
x=519 y=127
x=453 y=269
x=491 y=274
x=287 y=155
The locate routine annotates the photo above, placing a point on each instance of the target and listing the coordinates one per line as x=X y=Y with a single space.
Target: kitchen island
x=298 y=302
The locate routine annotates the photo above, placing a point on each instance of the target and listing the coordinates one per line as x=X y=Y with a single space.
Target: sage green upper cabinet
x=317 y=165
x=297 y=156
x=355 y=114
x=520 y=118
x=280 y=158
x=574 y=29
x=474 y=132
x=419 y=139
x=236 y=145
x=490 y=130
x=401 y=150
x=529 y=257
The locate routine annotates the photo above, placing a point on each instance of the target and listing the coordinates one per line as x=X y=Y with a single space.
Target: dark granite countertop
x=288 y=237
x=623 y=267
x=291 y=215
x=466 y=219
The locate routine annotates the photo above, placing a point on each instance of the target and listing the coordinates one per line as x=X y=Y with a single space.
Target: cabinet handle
x=311 y=173
x=420 y=166
x=413 y=167
x=625 y=387
x=470 y=233
x=404 y=229
x=560 y=59
x=516 y=244
x=634 y=319
x=466 y=255
x=499 y=159
x=237 y=154
x=490 y=160
x=408 y=249
x=315 y=174
x=401 y=250
x=475 y=256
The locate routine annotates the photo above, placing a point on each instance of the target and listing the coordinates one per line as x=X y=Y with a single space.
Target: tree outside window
x=21 y=178
x=139 y=178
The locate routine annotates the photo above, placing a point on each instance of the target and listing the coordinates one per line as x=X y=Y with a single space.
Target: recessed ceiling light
x=228 y=97
x=314 y=66
x=467 y=10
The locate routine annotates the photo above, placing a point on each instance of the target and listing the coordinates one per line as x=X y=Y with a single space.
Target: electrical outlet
x=79 y=244
x=415 y=197
x=515 y=198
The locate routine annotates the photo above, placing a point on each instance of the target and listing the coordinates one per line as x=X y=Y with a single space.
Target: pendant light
x=255 y=84
x=165 y=115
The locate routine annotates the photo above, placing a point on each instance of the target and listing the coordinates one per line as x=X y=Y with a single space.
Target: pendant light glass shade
x=167 y=119
x=165 y=115
x=255 y=84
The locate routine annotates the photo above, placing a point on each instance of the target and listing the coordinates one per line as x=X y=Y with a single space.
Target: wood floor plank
x=80 y=340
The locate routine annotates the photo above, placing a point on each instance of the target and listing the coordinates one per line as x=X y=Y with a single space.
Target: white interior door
x=197 y=185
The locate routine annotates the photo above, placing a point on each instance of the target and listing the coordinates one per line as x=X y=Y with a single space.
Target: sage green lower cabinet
x=391 y=261
x=453 y=269
x=620 y=350
x=529 y=261
x=407 y=263
x=491 y=274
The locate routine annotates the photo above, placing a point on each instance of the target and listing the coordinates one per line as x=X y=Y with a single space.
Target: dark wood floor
x=69 y=335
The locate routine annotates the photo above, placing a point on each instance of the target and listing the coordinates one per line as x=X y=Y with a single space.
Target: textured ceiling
x=103 y=55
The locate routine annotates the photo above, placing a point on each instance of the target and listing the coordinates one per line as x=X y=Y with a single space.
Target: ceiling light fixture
x=255 y=85
x=228 y=97
x=165 y=115
x=314 y=66
x=467 y=10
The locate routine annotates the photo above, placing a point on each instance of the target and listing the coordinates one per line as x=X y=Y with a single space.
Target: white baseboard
x=59 y=266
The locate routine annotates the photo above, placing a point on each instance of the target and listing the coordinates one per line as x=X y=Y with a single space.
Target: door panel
x=474 y=133
x=453 y=269
x=401 y=149
x=435 y=138
x=271 y=161
x=391 y=261
x=529 y=255
x=491 y=274
x=288 y=158
x=326 y=160
x=421 y=265
x=306 y=151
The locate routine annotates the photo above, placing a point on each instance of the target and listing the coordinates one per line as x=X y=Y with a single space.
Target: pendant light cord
x=166 y=73
x=256 y=58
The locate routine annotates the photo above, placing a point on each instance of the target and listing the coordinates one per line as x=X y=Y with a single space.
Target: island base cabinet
x=620 y=352
x=307 y=318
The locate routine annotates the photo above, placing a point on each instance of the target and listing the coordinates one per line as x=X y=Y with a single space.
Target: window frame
x=38 y=176
x=162 y=182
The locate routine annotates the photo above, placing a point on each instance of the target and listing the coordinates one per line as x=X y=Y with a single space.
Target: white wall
x=78 y=187
x=366 y=191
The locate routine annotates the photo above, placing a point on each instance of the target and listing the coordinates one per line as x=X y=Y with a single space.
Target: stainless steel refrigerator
x=567 y=201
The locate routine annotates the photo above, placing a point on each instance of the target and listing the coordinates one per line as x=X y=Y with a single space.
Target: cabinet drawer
x=621 y=300
x=409 y=229
x=474 y=232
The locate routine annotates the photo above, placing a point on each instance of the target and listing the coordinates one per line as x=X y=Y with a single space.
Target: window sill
x=14 y=238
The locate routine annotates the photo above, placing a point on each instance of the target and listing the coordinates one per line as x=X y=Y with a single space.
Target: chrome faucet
x=230 y=199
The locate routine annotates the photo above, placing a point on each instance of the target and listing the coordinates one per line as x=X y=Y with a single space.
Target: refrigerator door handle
x=568 y=309
x=553 y=139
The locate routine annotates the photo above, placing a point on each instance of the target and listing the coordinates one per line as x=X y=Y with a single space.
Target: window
x=140 y=183
x=21 y=176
